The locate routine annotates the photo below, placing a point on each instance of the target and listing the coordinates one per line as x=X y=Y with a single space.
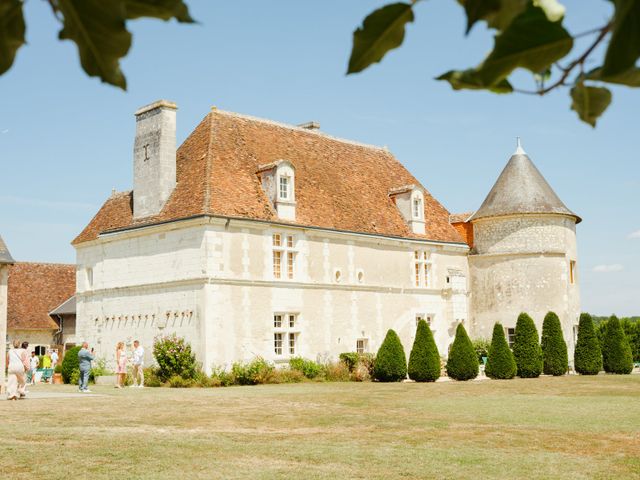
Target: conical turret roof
x=521 y=189
x=5 y=256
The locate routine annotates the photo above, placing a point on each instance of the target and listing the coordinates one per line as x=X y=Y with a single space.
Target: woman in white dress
x=18 y=364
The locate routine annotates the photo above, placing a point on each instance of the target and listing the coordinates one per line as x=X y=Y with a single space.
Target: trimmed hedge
x=500 y=364
x=424 y=360
x=391 y=362
x=616 y=352
x=587 y=357
x=70 y=363
x=554 y=349
x=526 y=348
x=462 y=363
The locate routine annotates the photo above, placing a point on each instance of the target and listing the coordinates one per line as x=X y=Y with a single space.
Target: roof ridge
x=47 y=263
x=299 y=129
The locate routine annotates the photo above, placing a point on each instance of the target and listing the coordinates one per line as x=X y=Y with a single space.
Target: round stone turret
x=524 y=256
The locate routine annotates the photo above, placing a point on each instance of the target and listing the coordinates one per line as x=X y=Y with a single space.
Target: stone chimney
x=154 y=158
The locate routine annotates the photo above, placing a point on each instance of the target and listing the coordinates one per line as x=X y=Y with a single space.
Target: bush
x=176 y=381
x=335 y=372
x=391 y=363
x=350 y=359
x=616 y=352
x=424 y=359
x=555 y=360
x=500 y=363
x=526 y=348
x=463 y=361
x=481 y=346
x=70 y=363
x=99 y=369
x=57 y=369
x=174 y=357
x=287 y=375
x=252 y=373
x=75 y=377
x=151 y=378
x=309 y=368
x=358 y=363
x=220 y=376
x=587 y=357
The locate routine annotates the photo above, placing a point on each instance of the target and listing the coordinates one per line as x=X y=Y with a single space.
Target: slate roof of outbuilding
x=5 y=256
x=340 y=185
x=521 y=189
x=34 y=290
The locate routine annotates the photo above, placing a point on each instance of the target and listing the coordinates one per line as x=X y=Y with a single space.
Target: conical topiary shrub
x=616 y=352
x=424 y=360
x=587 y=357
x=500 y=363
x=555 y=359
x=391 y=363
x=526 y=348
x=462 y=363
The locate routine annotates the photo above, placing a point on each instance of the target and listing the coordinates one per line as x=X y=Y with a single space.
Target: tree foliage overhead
x=529 y=35
x=97 y=27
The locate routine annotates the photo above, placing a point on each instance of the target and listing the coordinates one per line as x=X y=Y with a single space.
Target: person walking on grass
x=121 y=365
x=85 y=357
x=138 y=364
x=18 y=365
x=34 y=362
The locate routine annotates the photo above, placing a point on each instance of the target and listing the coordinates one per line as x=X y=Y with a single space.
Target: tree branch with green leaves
x=529 y=35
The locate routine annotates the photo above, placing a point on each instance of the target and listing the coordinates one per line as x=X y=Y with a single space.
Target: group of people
x=19 y=364
x=86 y=356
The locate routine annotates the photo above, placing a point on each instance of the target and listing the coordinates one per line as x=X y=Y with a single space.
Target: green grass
x=567 y=427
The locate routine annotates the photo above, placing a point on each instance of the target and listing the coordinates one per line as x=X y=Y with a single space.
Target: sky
x=66 y=139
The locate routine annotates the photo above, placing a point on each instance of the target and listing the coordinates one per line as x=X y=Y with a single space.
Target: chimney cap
x=156 y=104
x=310 y=125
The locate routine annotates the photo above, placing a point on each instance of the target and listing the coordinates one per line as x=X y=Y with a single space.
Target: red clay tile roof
x=34 y=290
x=459 y=217
x=340 y=185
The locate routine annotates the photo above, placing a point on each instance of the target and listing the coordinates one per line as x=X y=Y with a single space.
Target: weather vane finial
x=519 y=149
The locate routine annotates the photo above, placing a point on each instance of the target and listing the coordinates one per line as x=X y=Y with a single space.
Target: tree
x=391 y=363
x=616 y=352
x=500 y=364
x=97 y=27
x=462 y=363
x=587 y=357
x=424 y=360
x=526 y=348
x=554 y=349
x=529 y=35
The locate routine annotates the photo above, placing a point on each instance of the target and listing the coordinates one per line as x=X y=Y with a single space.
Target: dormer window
x=278 y=182
x=409 y=199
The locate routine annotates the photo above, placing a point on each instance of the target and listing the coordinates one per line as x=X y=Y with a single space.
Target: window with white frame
x=284 y=256
x=285 y=335
x=362 y=345
x=284 y=187
x=422 y=268
x=418 y=210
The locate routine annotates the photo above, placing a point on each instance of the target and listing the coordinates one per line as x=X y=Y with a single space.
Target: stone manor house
x=255 y=238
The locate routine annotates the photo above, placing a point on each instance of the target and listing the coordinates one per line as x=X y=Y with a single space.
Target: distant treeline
x=631 y=326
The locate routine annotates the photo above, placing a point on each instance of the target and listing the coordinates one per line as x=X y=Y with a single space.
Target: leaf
x=12 y=30
x=98 y=29
x=477 y=10
x=162 y=9
x=382 y=31
x=468 y=79
x=624 y=46
x=630 y=78
x=589 y=102
x=531 y=41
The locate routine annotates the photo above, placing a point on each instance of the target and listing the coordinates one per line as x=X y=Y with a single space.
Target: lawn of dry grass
x=572 y=427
